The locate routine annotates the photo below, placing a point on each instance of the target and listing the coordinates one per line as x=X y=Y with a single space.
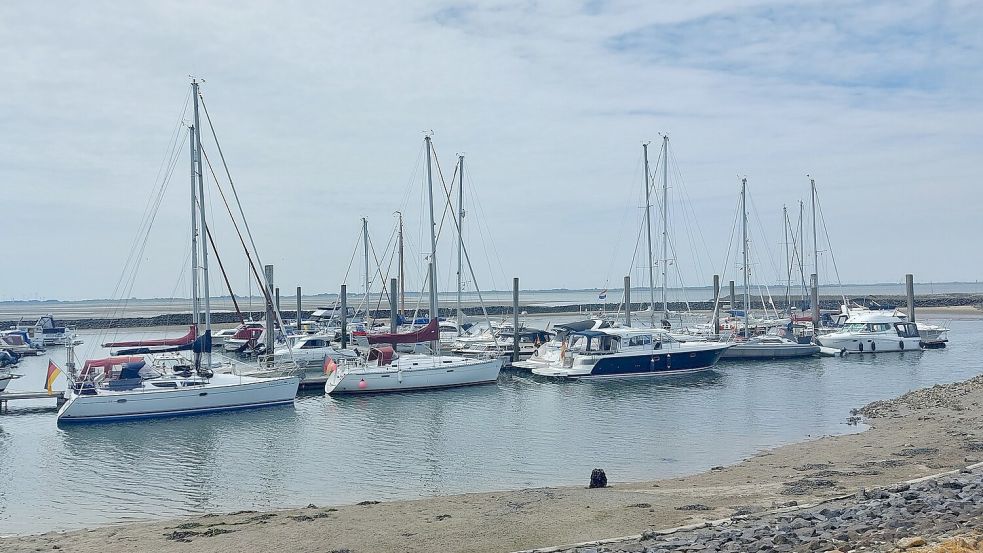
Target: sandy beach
x=921 y=433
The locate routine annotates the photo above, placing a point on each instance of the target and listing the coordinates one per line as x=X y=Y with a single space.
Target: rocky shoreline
x=898 y=517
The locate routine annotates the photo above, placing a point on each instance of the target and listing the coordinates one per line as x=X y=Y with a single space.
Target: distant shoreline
x=107 y=316
x=636 y=288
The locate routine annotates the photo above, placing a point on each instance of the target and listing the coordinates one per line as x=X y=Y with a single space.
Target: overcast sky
x=321 y=108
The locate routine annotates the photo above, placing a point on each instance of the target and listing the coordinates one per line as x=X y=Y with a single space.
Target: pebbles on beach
x=886 y=519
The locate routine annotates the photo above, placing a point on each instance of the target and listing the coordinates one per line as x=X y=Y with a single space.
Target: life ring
x=901 y=344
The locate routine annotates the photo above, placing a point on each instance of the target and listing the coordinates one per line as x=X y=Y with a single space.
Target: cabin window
x=165 y=384
x=907 y=330
x=880 y=327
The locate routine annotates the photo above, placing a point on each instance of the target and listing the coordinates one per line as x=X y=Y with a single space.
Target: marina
x=491 y=277
x=422 y=444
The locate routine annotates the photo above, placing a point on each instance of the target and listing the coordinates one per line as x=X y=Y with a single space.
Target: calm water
x=521 y=432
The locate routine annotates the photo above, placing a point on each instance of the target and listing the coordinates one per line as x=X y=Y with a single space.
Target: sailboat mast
x=648 y=234
x=402 y=268
x=460 y=242
x=365 y=252
x=802 y=247
x=665 y=224
x=433 y=243
x=788 y=261
x=815 y=239
x=747 y=296
x=195 y=310
x=204 y=229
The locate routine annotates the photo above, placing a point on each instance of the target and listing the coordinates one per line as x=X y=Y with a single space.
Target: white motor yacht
x=873 y=331
x=310 y=350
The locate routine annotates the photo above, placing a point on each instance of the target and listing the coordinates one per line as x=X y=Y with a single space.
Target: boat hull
x=869 y=344
x=4 y=380
x=465 y=372
x=192 y=400
x=770 y=351
x=650 y=363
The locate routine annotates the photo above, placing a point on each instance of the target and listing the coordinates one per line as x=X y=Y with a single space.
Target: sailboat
x=151 y=379
x=385 y=371
x=771 y=345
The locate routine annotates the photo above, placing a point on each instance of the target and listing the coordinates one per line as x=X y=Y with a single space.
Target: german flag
x=53 y=372
x=329 y=365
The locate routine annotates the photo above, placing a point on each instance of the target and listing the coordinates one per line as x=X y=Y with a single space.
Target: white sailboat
x=383 y=371
x=768 y=346
x=163 y=383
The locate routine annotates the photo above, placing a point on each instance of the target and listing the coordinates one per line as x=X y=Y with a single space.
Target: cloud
x=881 y=45
x=321 y=109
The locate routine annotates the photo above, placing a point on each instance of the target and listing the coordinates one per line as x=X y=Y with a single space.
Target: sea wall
x=829 y=303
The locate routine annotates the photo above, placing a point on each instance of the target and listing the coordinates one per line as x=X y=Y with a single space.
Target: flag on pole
x=603 y=295
x=53 y=372
x=329 y=365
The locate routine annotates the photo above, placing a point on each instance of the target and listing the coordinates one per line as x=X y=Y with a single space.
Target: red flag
x=329 y=365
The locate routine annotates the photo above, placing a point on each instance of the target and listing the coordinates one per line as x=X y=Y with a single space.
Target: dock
x=6 y=397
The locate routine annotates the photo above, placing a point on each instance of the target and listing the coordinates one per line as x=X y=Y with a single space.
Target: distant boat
x=18 y=342
x=47 y=332
x=150 y=378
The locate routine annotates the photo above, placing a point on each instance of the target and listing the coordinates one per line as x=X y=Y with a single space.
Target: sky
x=321 y=110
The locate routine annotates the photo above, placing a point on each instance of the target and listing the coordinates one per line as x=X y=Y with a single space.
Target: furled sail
x=429 y=333
x=198 y=345
x=182 y=341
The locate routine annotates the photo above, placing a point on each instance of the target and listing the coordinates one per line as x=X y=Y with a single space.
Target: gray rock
x=805 y=533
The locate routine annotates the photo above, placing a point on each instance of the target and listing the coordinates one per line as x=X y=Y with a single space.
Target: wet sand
x=921 y=433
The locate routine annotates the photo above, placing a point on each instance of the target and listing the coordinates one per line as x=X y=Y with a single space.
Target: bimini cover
x=106 y=364
x=382 y=354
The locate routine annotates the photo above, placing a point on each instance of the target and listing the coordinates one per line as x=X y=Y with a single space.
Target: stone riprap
x=887 y=519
